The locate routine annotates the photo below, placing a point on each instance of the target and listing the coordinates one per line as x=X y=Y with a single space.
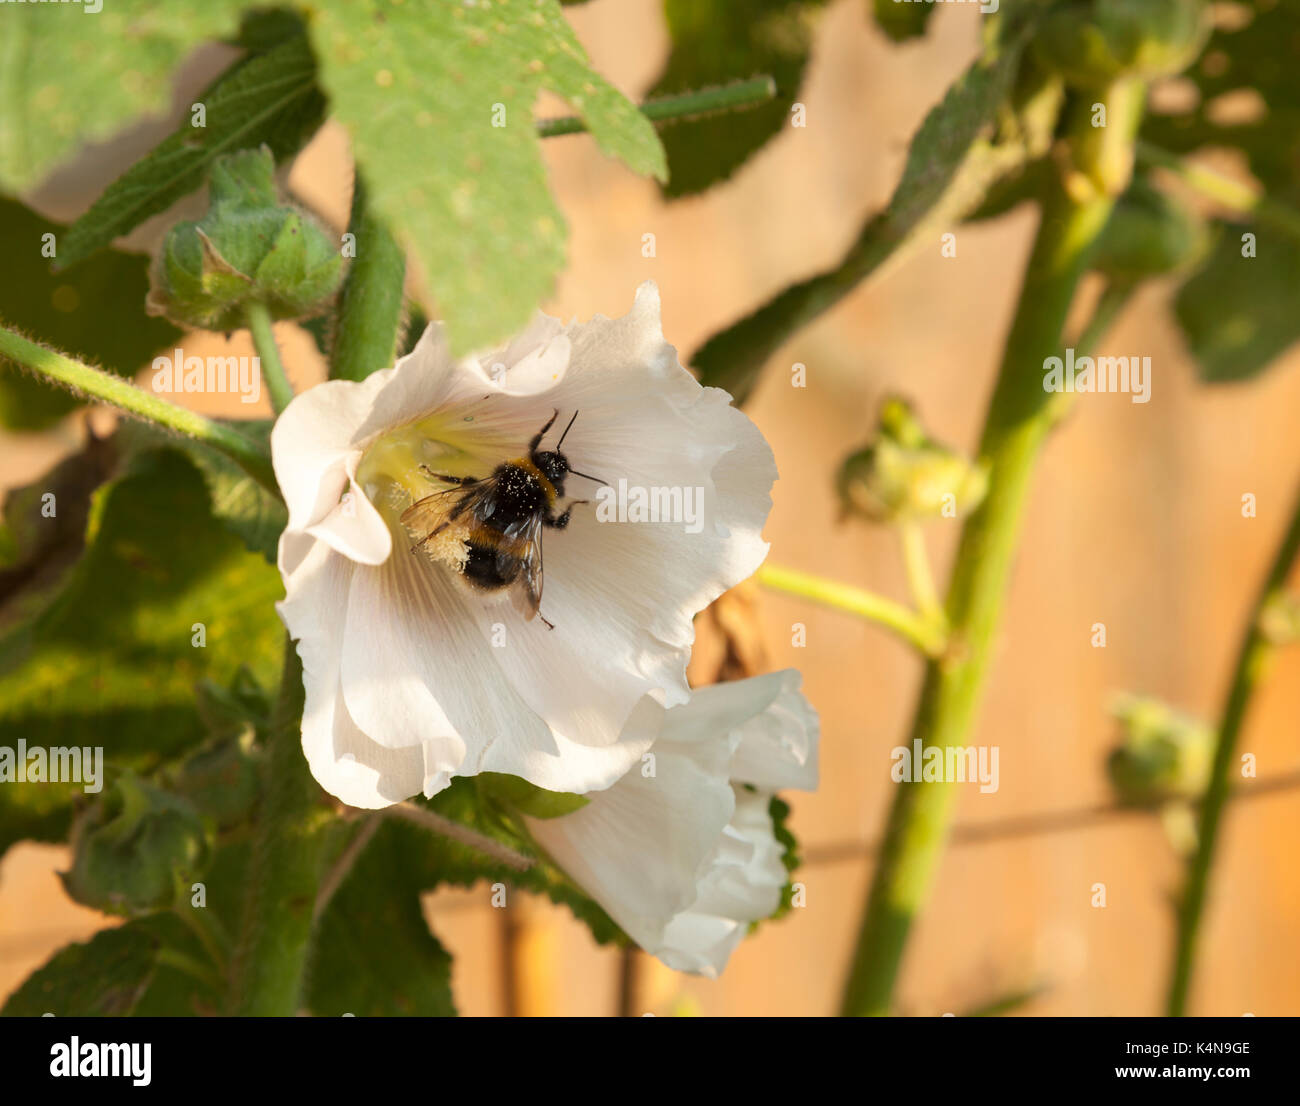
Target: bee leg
x=537 y=438
x=559 y=522
x=464 y=481
x=549 y=624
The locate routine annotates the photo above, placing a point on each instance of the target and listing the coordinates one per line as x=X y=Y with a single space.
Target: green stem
x=1020 y=415
x=1113 y=299
x=912 y=627
x=258 y=318
x=685 y=105
x=96 y=384
x=916 y=563
x=370 y=308
x=1224 y=191
x=289 y=852
x=1251 y=664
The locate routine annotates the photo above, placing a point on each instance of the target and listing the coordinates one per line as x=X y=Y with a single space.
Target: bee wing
x=527 y=593
x=434 y=513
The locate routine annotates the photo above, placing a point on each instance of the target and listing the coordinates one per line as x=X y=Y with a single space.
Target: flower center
x=391 y=472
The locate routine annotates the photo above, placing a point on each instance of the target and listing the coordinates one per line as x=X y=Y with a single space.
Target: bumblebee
x=496 y=523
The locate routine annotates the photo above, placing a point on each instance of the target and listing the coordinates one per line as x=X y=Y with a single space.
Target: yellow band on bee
x=532 y=470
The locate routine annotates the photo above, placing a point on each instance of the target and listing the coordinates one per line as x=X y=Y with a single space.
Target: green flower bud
x=904 y=476
x=248 y=248
x=136 y=850
x=1162 y=753
x=222 y=780
x=1094 y=42
x=527 y=798
x=1149 y=234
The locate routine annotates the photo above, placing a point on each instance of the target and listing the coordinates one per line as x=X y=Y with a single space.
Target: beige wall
x=1134 y=522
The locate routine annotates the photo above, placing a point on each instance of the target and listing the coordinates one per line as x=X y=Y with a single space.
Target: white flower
x=411 y=676
x=685 y=859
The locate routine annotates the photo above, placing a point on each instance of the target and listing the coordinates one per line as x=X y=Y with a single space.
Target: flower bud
x=1094 y=42
x=1162 y=753
x=222 y=780
x=135 y=849
x=904 y=476
x=248 y=248
x=1149 y=234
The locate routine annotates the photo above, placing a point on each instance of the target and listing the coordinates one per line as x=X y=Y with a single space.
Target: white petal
x=638 y=848
x=416 y=668
x=771 y=731
x=344 y=761
x=312 y=442
x=700 y=943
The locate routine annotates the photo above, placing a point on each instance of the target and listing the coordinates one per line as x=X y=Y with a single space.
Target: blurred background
x=1135 y=522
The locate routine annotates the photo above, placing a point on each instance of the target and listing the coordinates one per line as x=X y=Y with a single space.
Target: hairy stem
x=684 y=105
x=1075 y=210
x=430 y=820
x=289 y=851
x=96 y=384
x=1251 y=664
x=370 y=307
x=927 y=636
x=268 y=354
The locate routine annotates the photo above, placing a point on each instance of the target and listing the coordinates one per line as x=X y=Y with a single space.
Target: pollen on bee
x=447 y=548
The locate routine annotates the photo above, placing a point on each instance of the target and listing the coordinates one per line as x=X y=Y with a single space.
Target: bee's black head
x=554 y=465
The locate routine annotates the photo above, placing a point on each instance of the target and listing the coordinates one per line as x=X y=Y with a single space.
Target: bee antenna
x=566 y=431
x=598 y=480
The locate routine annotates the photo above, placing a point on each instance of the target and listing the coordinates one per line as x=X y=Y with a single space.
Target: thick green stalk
x=1251 y=664
x=290 y=851
x=1020 y=415
x=96 y=384
x=370 y=308
x=268 y=354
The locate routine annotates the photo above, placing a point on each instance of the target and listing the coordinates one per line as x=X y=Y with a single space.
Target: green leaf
x=417 y=87
x=374 y=955
x=717 y=41
x=96 y=313
x=269 y=99
x=69 y=77
x=1239 y=314
x=43 y=530
x=779 y=810
x=451 y=862
x=239 y=502
x=901 y=21
x=149 y=966
x=110 y=662
x=949 y=169
x=528 y=798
